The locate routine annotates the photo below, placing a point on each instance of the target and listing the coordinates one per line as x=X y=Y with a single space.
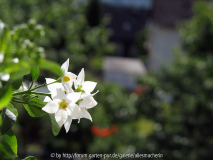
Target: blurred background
x=153 y=61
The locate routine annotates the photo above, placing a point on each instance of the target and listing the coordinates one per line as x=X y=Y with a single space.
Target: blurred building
x=129 y=17
x=164 y=20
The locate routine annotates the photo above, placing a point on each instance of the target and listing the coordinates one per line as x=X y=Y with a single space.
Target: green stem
x=40 y=93
x=31 y=85
x=58 y=80
x=23 y=92
x=30 y=90
x=17 y=101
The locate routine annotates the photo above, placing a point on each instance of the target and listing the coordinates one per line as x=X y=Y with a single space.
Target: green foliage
x=55 y=127
x=68 y=33
x=35 y=73
x=179 y=100
x=20 y=56
x=9 y=118
x=199 y=31
x=11 y=140
x=5 y=96
x=30 y=158
x=8 y=148
x=34 y=107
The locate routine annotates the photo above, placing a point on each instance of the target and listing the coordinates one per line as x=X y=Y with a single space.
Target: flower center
x=66 y=79
x=79 y=89
x=63 y=105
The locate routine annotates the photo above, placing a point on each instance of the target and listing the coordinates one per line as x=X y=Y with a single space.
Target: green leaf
x=35 y=73
x=55 y=127
x=30 y=158
x=17 y=83
x=6 y=151
x=9 y=117
x=34 y=107
x=36 y=102
x=20 y=73
x=4 y=37
x=50 y=66
x=34 y=111
x=5 y=96
x=11 y=140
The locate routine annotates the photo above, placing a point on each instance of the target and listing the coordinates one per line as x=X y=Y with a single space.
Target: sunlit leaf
x=35 y=73
x=50 y=66
x=34 y=107
x=30 y=158
x=11 y=140
x=55 y=127
x=4 y=37
x=5 y=96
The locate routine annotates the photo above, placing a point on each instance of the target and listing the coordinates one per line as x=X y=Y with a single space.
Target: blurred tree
x=68 y=33
x=180 y=99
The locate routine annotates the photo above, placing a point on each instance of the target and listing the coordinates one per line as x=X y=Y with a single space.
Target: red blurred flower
x=140 y=89
x=104 y=132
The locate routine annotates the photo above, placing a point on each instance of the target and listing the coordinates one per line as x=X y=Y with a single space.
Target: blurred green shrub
x=180 y=99
x=68 y=33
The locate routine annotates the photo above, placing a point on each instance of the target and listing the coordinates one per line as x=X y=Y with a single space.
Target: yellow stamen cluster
x=66 y=79
x=63 y=105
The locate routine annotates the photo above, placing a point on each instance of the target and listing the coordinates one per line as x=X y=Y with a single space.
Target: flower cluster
x=70 y=101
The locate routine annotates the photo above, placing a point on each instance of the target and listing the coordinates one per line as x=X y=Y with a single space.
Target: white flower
x=61 y=105
x=84 y=103
x=22 y=88
x=4 y=76
x=1 y=57
x=54 y=86
x=84 y=86
x=15 y=60
x=68 y=77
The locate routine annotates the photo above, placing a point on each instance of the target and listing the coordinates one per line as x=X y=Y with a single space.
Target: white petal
x=51 y=107
x=88 y=102
x=86 y=114
x=68 y=123
x=15 y=60
x=80 y=78
x=47 y=99
x=68 y=111
x=85 y=102
x=49 y=80
x=89 y=86
x=71 y=75
x=53 y=86
x=65 y=66
x=76 y=111
x=70 y=82
x=24 y=88
x=73 y=97
x=92 y=104
x=95 y=93
x=1 y=58
x=75 y=83
x=68 y=89
x=58 y=94
x=61 y=117
x=5 y=77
